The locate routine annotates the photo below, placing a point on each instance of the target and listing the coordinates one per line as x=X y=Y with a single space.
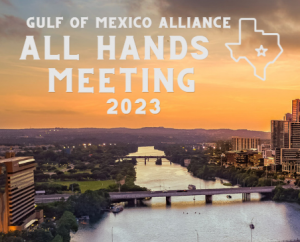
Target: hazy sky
x=227 y=94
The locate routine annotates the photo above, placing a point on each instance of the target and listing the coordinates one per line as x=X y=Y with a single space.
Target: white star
x=261 y=51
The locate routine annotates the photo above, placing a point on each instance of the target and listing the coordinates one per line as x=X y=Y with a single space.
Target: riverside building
x=285 y=140
x=17 y=206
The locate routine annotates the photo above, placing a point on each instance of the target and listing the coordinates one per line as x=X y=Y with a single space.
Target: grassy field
x=88 y=185
x=85 y=171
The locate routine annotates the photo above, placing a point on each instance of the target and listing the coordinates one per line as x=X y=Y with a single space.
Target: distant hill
x=142 y=136
x=209 y=133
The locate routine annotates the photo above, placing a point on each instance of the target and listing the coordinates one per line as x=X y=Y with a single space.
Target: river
x=223 y=220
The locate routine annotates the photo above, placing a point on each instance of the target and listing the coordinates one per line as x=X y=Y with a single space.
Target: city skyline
x=161 y=120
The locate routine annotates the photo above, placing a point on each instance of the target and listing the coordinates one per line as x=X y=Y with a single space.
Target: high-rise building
x=17 y=208
x=280 y=134
x=288 y=117
x=239 y=143
x=280 y=137
x=296 y=110
x=285 y=139
x=294 y=135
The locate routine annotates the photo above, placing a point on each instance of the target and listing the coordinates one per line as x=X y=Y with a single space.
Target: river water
x=223 y=220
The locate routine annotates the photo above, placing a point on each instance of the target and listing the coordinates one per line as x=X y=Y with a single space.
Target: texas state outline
x=244 y=57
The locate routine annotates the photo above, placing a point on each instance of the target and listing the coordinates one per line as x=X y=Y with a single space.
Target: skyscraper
x=285 y=139
x=280 y=137
x=296 y=110
x=280 y=134
x=295 y=135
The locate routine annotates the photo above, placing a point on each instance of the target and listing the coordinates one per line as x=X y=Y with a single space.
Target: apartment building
x=240 y=143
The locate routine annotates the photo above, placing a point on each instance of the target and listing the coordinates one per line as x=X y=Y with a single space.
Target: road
x=50 y=198
x=169 y=193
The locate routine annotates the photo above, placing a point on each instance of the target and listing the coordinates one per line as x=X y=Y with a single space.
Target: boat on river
x=117 y=208
x=210 y=179
x=192 y=187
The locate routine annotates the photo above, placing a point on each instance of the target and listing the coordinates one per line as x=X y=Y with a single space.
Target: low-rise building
x=255 y=158
x=244 y=158
x=268 y=161
x=290 y=160
x=230 y=157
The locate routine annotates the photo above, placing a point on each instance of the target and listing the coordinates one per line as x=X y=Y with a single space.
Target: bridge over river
x=132 y=197
x=144 y=156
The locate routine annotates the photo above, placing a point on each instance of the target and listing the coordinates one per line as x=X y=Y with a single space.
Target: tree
x=99 y=175
x=74 y=187
x=63 y=161
x=119 y=177
x=40 y=235
x=41 y=177
x=66 y=224
x=90 y=203
x=57 y=238
x=59 y=172
x=81 y=167
x=72 y=171
x=11 y=236
x=56 y=209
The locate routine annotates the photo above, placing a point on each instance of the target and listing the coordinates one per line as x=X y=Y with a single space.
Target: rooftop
x=19 y=158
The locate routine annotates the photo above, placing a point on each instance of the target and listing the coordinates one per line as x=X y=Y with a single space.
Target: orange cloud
x=12 y=27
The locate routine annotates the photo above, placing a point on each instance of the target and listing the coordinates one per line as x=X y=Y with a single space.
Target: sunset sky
x=227 y=94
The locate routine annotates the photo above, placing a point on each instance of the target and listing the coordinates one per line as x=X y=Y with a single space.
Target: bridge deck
x=145 y=156
x=171 y=193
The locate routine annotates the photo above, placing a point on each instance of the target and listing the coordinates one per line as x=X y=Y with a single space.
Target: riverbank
x=242 y=177
x=286 y=195
x=224 y=220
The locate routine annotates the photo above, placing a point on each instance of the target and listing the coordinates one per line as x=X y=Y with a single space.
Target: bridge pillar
x=132 y=202
x=145 y=161
x=168 y=201
x=208 y=198
x=246 y=197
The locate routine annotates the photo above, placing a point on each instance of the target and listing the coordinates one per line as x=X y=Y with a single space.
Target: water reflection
x=224 y=220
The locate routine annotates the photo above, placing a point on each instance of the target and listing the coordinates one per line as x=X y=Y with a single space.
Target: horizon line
x=136 y=128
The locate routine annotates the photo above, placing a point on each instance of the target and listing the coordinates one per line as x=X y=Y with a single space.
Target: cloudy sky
x=227 y=94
